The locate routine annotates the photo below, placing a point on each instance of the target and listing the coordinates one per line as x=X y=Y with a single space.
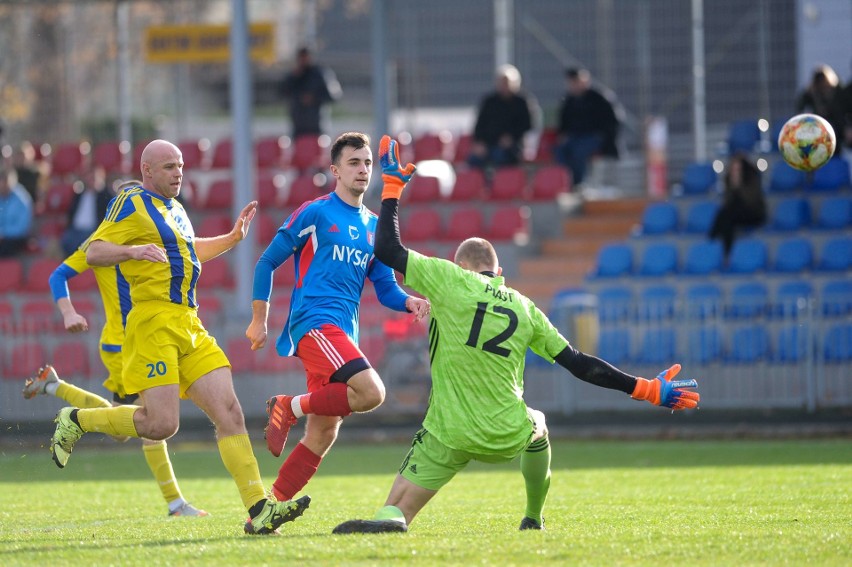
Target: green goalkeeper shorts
x=430 y=464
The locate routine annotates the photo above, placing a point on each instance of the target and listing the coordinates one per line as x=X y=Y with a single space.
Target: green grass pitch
x=611 y=503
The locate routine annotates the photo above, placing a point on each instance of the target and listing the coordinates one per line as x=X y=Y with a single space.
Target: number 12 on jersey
x=492 y=345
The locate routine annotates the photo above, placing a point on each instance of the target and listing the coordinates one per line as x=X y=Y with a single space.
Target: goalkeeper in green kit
x=478 y=338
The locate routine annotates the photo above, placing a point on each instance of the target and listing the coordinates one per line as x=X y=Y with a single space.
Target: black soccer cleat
x=370 y=527
x=530 y=524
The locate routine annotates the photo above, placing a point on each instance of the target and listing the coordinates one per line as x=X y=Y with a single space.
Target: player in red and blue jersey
x=331 y=239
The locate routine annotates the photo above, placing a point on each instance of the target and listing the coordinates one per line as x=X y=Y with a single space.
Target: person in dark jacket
x=88 y=208
x=504 y=116
x=743 y=204
x=309 y=88
x=588 y=124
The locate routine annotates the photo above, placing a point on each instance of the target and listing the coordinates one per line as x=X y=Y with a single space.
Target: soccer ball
x=807 y=142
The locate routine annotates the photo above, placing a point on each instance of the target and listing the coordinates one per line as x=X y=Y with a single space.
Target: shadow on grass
x=108 y=461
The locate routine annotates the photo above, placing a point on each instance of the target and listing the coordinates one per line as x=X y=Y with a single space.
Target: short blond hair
x=478 y=254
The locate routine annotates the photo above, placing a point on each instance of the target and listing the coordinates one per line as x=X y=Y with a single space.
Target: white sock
x=50 y=388
x=176 y=504
x=296 y=406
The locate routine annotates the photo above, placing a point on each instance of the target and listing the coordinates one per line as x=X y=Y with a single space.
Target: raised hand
x=393 y=175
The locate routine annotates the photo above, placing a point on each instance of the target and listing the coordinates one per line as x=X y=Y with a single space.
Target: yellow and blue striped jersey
x=138 y=217
x=115 y=295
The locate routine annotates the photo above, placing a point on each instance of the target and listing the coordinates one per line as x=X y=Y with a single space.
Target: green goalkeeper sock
x=390 y=513
x=535 y=466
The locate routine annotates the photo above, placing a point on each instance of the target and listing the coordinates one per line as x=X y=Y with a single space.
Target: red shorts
x=329 y=355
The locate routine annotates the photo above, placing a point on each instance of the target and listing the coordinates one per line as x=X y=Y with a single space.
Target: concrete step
x=571 y=247
x=614 y=227
x=555 y=268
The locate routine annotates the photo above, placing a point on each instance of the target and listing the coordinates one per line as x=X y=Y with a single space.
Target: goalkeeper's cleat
x=529 y=524
x=281 y=419
x=38 y=385
x=371 y=527
x=66 y=435
x=187 y=510
x=274 y=514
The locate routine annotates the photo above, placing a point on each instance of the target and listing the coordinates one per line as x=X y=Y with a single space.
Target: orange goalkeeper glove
x=394 y=177
x=662 y=391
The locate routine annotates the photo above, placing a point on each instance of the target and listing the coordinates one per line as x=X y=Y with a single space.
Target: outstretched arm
x=389 y=249
x=661 y=391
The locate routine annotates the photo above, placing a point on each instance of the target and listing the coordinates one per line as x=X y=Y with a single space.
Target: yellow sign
x=205 y=43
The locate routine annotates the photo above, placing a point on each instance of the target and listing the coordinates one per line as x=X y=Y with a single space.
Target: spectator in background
x=87 y=210
x=32 y=174
x=505 y=115
x=844 y=137
x=823 y=98
x=16 y=213
x=588 y=124
x=309 y=88
x=743 y=204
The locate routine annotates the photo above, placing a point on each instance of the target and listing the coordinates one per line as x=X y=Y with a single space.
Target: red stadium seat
x=507 y=222
x=214 y=224
x=193 y=152
x=219 y=195
x=209 y=307
x=242 y=358
x=304 y=188
x=112 y=156
x=216 y=274
x=39 y=316
x=91 y=310
x=270 y=189
x=422 y=224
x=69 y=158
x=223 y=153
x=432 y=146
x=549 y=182
x=509 y=184
x=58 y=197
x=71 y=358
x=137 y=156
x=11 y=275
x=267 y=226
x=269 y=151
x=423 y=190
x=284 y=275
x=38 y=274
x=462 y=151
x=25 y=359
x=464 y=222
x=469 y=186
x=7 y=317
x=546 y=145
x=84 y=281
x=310 y=152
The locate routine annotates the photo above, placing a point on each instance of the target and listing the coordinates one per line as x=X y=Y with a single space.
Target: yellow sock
x=78 y=397
x=157 y=456
x=240 y=461
x=116 y=420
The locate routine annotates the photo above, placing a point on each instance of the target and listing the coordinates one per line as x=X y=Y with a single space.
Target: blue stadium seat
x=794 y=343
x=748 y=299
x=698 y=179
x=792 y=213
x=837 y=343
x=749 y=344
x=836 y=255
x=703 y=300
x=748 y=256
x=700 y=217
x=657 y=302
x=794 y=255
x=792 y=298
x=831 y=176
x=658 y=259
x=837 y=298
x=703 y=258
x=614 y=345
x=659 y=218
x=704 y=344
x=659 y=346
x=614 y=303
x=743 y=136
x=785 y=179
x=614 y=260
x=834 y=213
